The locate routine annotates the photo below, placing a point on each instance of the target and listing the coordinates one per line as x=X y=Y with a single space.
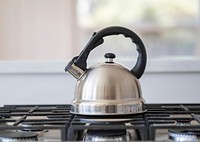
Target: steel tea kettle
x=107 y=88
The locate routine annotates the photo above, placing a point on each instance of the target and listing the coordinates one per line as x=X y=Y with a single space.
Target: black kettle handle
x=97 y=39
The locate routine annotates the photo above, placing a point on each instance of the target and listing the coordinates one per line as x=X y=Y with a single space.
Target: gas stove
x=169 y=122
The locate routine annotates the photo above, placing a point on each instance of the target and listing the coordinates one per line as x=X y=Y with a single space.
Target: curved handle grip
x=97 y=39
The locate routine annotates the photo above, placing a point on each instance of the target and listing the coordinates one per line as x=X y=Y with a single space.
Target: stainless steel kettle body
x=108 y=88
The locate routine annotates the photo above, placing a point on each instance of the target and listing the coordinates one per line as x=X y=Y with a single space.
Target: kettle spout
x=73 y=69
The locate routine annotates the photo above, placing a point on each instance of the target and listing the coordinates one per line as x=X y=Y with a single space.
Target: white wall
x=38 y=29
x=26 y=85
x=36 y=88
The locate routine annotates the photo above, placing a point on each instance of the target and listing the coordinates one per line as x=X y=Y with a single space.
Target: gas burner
x=107 y=135
x=18 y=136
x=182 y=135
x=26 y=126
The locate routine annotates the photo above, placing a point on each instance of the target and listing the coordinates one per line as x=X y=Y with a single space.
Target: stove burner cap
x=18 y=136
x=106 y=135
x=26 y=126
x=182 y=135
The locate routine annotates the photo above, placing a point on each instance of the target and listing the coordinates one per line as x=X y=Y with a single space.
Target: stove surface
x=55 y=122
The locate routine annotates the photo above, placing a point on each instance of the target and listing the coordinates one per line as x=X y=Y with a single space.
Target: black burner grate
x=157 y=117
x=81 y=123
x=17 y=115
x=172 y=117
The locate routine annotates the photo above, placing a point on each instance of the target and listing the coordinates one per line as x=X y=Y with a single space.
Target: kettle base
x=107 y=108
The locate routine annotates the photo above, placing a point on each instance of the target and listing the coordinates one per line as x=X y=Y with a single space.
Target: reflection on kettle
x=108 y=88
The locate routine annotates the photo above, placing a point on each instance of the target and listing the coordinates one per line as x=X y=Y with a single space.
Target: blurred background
x=58 y=30
x=39 y=37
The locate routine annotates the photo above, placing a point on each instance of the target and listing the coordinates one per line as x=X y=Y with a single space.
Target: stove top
x=176 y=122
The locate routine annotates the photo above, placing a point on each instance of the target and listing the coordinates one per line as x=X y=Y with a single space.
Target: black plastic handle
x=97 y=39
